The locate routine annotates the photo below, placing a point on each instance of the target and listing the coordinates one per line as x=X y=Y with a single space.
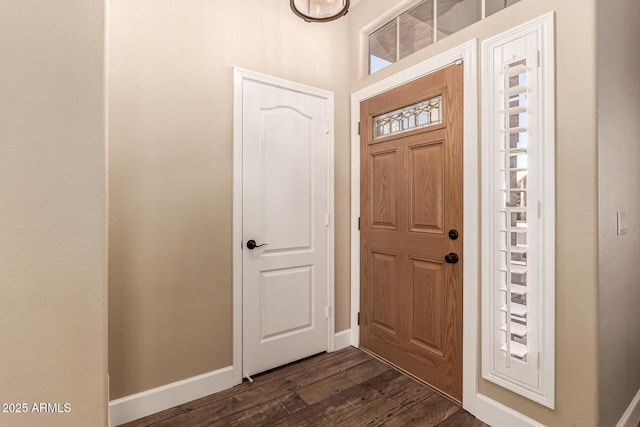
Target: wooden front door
x=411 y=228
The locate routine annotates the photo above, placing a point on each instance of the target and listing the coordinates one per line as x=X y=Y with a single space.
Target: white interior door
x=285 y=208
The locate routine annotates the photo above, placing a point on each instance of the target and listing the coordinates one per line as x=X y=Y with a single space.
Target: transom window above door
x=426 y=22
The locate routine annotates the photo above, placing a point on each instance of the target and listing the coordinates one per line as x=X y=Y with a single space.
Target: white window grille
x=519 y=211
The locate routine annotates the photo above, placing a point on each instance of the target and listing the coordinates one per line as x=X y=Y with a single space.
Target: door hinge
x=358 y=223
x=328 y=127
x=358 y=128
x=358 y=318
x=326 y=219
x=327 y=312
x=538 y=59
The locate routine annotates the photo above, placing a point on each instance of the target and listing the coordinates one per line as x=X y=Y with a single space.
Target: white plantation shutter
x=518 y=211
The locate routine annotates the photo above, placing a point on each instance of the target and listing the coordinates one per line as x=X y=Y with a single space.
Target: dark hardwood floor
x=344 y=388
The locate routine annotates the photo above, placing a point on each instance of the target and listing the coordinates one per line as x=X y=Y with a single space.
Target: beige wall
x=171 y=86
x=171 y=140
x=52 y=211
x=619 y=175
x=576 y=198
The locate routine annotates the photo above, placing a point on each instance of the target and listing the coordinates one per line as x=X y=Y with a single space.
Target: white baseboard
x=498 y=415
x=158 y=399
x=342 y=340
x=631 y=417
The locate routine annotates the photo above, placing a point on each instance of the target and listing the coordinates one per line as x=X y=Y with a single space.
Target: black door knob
x=251 y=244
x=451 y=258
x=453 y=234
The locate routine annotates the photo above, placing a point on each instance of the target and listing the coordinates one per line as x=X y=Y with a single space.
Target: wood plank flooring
x=344 y=388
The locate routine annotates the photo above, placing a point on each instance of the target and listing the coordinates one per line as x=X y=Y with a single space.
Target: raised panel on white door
x=276 y=287
x=286 y=178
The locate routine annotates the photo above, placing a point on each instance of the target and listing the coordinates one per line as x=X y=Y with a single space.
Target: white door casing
x=286 y=202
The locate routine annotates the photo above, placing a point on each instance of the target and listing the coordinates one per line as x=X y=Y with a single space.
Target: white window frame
x=541 y=314
x=394 y=15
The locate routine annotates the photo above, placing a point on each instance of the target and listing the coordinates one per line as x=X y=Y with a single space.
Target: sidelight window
x=518 y=211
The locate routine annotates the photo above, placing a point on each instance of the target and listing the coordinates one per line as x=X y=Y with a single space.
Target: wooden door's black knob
x=451 y=258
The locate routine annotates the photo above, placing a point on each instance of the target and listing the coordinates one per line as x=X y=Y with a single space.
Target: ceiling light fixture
x=320 y=10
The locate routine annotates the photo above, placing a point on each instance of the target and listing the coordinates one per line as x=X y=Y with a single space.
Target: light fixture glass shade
x=320 y=10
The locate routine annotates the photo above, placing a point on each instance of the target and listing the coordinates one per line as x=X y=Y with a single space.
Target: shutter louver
x=513 y=203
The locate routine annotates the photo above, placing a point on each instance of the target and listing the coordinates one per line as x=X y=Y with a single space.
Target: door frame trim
x=467 y=53
x=239 y=75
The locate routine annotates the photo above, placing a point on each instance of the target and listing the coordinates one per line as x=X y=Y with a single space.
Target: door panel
x=284 y=205
x=287 y=284
x=428 y=298
x=286 y=150
x=411 y=196
x=385 y=190
x=384 y=284
x=426 y=200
